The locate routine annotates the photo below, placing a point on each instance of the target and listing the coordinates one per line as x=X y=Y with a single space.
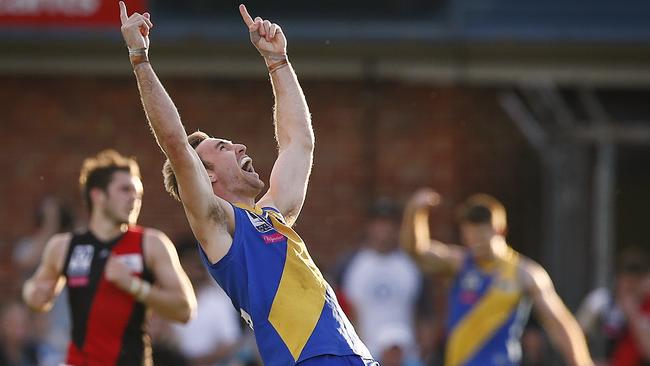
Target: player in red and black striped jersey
x=114 y=270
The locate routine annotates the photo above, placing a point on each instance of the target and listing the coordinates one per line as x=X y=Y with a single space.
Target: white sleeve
x=226 y=319
x=592 y=308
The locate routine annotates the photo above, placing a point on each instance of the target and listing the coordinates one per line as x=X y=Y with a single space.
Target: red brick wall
x=384 y=139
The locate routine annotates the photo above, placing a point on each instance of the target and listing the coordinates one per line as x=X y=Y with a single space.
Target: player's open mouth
x=246 y=164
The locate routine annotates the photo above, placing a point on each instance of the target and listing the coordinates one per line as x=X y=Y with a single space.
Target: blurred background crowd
x=543 y=105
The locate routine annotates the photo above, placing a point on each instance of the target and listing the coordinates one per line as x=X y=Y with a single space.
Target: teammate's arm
x=293 y=130
x=431 y=255
x=203 y=208
x=47 y=282
x=556 y=319
x=171 y=296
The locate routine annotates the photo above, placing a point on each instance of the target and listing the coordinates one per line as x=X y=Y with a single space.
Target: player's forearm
x=171 y=304
x=570 y=340
x=291 y=113
x=36 y=297
x=415 y=236
x=160 y=110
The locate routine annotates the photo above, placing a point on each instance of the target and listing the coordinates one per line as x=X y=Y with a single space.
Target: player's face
x=477 y=237
x=123 y=198
x=231 y=168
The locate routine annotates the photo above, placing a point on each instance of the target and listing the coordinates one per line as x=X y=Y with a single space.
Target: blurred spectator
x=52 y=216
x=212 y=337
x=382 y=287
x=622 y=315
x=18 y=348
x=393 y=343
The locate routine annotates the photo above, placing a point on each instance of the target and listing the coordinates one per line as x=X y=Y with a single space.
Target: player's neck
x=238 y=199
x=106 y=230
x=497 y=249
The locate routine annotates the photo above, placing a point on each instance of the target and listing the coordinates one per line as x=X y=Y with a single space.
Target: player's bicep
x=288 y=183
x=192 y=179
x=440 y=257
x=47 y=282
x=164 y=262
x=53 y=257
x=195 y=190
x=546 y=302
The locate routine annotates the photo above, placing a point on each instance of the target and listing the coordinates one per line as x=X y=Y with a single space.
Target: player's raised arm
x=195 y=190
x=293 y=130
x=415 y=238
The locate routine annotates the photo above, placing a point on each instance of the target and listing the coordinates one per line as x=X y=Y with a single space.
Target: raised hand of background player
x=135 y=28
x=424 y=197
x=267 y=37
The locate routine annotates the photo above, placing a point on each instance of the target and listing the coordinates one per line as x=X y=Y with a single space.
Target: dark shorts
x=331 y=360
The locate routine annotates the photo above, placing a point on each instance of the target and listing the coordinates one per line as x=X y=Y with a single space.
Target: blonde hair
x=482 y=208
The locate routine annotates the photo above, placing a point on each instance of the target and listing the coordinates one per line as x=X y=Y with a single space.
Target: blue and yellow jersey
x=270 y=277
x=487 y=313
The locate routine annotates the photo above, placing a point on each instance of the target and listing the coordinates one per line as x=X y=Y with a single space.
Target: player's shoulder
x=154 y=239
x=59 y=242
x=56 y=248
x=531 y=273
x=150 y=232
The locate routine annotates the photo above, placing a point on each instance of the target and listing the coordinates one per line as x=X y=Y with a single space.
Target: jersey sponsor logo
x=78 y=281
x=273 y=238
x=132 y=261
x=81 y=260
x=260 y=224
x=470 y=283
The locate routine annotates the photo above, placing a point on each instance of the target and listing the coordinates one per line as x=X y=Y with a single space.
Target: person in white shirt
x=212 y=337
x=381 y=284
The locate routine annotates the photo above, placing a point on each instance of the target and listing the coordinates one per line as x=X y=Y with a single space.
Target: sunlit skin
x=483 y=241
x=231 y=173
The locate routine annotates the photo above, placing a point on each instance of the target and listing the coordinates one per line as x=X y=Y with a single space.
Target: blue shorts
x=331 y=360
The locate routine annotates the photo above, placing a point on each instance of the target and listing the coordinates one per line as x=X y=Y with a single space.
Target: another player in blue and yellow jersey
x=493 y=288
x=249 y=247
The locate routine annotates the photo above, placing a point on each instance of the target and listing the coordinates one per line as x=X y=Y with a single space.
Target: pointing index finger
x=123 y=15
x=244 y=14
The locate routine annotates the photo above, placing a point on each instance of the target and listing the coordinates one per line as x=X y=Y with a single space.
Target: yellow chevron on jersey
x=491 y=313
x=271 y=279
x=295 y=320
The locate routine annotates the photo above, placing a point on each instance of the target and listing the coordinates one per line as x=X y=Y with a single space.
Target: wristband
x=277 y=65
x=138 y=56
x=135 y=286
x=144 y=291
